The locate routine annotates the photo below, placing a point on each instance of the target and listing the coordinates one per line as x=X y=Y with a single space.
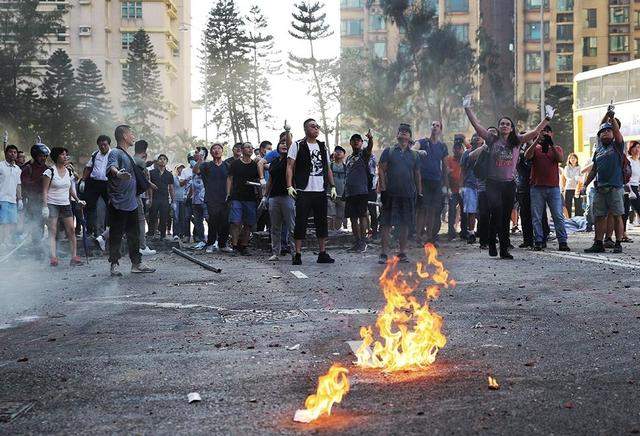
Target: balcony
x=172 y=10
x=619 y=2
x=619 y=57
x=172 y=41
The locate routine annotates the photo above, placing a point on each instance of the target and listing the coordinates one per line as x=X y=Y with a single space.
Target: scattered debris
x=493 y=383
x=9 y=410
x=196 y=261
x=276 y=277
x=194 y=397
x=23 y=359
x=299 y=274
x=568 y=405
x=293 y=347
x=478 y=326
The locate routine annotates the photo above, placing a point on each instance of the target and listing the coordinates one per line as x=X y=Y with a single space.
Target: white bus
x=592 y=93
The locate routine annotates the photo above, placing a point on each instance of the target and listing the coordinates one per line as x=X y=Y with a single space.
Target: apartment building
x=577 y=35
x=101 y=30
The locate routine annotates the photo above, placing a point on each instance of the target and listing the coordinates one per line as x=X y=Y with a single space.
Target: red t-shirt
x=544 y=168
x=455 y=173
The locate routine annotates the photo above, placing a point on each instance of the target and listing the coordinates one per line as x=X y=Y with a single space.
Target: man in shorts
x=10 y=194
x=357 y=189
x=242 y=197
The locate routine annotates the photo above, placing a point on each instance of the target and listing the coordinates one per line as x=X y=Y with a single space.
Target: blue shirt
x=122 y=193
x=270 y=157
x=178 y=191
x=608 y=162
x=401 y=166
x=470 y=180
x=431 y=165
x=215 y=181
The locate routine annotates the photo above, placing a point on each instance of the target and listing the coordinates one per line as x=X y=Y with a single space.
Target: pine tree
x=226 y=67
x=310 y=25
x=94 y=104
x=264 y=64
x=59 y=102
x=144 y=103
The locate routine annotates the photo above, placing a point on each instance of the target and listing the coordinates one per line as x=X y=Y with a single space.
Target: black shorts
x=315 y=202
x=57 y=211
x=397 y=211
x=431 y=194
x=357 y=206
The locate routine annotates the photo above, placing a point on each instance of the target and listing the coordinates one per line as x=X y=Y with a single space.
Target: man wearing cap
x=309 y=175
x=607 y=170
x=357 y=189
x=545 y=187
x=399 y=185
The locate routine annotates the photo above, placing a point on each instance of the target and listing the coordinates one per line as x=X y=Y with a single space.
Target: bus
x=593 y=91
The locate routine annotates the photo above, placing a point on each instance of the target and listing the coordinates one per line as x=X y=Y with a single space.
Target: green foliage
x=561 y=98
x=94 y=106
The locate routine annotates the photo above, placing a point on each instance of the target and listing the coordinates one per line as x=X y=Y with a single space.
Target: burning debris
x=493 y=383
x=409 y=331
x=331 y=388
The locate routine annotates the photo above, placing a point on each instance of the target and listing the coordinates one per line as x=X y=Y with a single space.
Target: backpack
x=626 y=167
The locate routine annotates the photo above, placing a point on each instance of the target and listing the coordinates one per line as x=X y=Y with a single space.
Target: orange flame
x=331 y=388
x=493 y=383
x=410 y=332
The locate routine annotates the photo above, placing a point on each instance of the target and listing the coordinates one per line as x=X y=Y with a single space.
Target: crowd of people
x=486 y=187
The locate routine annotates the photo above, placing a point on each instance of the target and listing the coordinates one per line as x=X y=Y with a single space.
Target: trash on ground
x=194 y=397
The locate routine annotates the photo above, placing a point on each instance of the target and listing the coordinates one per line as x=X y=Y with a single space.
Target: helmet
x=39 y=149
x=191 y=156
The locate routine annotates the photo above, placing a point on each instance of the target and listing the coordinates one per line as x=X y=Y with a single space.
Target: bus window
x=589 y=92
x=634 y=84
x=615 y=87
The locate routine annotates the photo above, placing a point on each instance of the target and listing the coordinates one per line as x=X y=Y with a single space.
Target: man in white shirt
x=308 y=176
x=10 y=194
x=95 y=185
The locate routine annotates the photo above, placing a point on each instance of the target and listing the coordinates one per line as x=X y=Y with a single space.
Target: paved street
x=560 y=332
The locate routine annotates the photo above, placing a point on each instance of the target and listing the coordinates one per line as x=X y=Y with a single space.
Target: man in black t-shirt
x=243 y=195
x=161 y=198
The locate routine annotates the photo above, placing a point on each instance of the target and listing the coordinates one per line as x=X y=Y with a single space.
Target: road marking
x=299 y=274
x=602 y=260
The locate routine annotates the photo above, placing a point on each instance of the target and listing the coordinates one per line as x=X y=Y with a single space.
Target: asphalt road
x=101 y=355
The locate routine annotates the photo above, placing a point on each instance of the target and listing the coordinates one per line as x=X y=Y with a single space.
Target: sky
x=289 y=94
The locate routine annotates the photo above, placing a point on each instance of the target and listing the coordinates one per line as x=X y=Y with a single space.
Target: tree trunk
x=255 y=94
x=321 y=101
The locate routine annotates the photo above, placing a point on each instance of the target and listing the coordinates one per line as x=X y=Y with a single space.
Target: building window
x=127 y=39
x=590 y=18
x=132 y=10
x=564 y=48
x=377 y=23
x=532 y=31
x=351 y=27
x=637 y=48
x=351 y=4
x=380 y=50
x=589 y=67
x=535 y=4
x=564 y=5
x=461 y=31
x=532 y=91
x=590 y=46
x=564 y=32
x=532 y=61
x=619 y=15
x=619 y=43
x=457 y=6
x=637 y=19
x=564 y=62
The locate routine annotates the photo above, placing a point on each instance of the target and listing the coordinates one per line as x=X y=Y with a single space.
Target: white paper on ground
x=293 y=347
x=302 y=415
x=299 y=274
x=193 y=397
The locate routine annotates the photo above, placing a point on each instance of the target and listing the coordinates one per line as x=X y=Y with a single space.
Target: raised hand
x=549 y=111
x=467 y=101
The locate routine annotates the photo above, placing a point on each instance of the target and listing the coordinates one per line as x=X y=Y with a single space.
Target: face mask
x=192 y=163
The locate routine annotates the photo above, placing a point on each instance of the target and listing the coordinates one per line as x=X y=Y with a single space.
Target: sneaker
x=75 y=261
x=597 y=247
x=402 y=258
x=537 y=246
x=115 y=271
x=323 y=257
x=608 y=243
x=617 y=248
x=274 y=258
x=199 y=245
x=211 y=249
x=363 y=247
x=141 y=269
x=101 y=242
x=176 y=238
x=493 y=251
x=382 y=259
x=53 y=261
x=563 y=246
x=146 y=251
x=504 y=254
x=297 y=259
x=226 y=249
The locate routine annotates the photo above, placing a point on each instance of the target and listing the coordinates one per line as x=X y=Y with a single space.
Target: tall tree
x=94 y=103
x=225 y=68
x=309 y=24
x=59 y=101
x=144 y=102
x=264 y=63
x=561 y=98
x=24 y=33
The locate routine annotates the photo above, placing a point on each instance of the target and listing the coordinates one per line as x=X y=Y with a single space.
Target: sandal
x=53 y=261
x=626 y=240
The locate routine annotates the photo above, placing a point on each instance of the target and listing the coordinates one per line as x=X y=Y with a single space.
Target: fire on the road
x=331 y=388
x=409 y=331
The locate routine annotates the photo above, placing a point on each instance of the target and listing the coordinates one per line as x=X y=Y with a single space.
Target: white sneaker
x=274 y=258
x=226 y=249
x=211 y=249
x=199 y=246
x=147 y=251
x=102 y=243
x=176 y=238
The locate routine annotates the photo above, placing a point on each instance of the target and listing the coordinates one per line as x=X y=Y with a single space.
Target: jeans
x=122 y=222
x=159 y=211
x=282 y=213
x=500 y=198
x=541 y=197
x=524 y=200
x=198 y=222
x=179 y=212
x=218 y=224
x=455 y=200
x=141 y=224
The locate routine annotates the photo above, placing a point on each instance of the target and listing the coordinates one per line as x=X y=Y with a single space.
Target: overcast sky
x=289 y=97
